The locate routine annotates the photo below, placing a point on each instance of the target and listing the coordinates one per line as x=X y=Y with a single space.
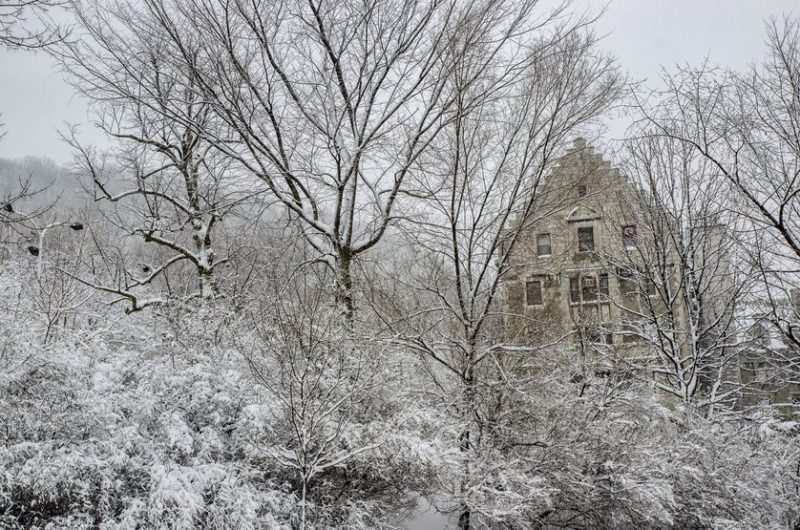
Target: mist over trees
x=284 y=296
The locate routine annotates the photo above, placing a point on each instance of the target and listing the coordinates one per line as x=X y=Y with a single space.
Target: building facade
x=603 y=266
x=575 y=270
x=597 y=265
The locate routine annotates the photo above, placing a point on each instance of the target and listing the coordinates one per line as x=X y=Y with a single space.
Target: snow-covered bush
x=608 y=452
x=158 y=425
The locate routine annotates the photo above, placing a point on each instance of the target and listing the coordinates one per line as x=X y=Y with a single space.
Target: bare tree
x=481 y=187
x=747 y=126
x=24 y=24
x=682 y=281
x=329 y=105
x=174 y=202
x=318 y=378
x=169 y=186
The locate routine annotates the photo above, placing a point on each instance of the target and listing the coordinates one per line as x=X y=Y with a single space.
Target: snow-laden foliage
x=197 y=417
x=121 y=439
x=155 y=426
x=609 y=452
x=185 y=419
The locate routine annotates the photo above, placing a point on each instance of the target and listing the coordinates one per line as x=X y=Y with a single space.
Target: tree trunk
x=344 y=287
x=465 y=446
x=205 y=255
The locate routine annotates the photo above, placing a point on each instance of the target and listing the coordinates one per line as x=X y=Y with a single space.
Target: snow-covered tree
x=745 y=125
x=474 y=187
x=681 y=275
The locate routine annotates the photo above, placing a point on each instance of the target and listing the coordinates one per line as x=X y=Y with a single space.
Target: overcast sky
x=642 y=34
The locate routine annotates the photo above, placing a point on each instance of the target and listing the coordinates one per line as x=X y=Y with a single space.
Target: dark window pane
x=543 y=245
x=629 y=334
x=533 y=292
x=574 y=289
x=627 y=284
x=630 y=337
x=596 y=335
x=585 y=239
x=589 y=288
x=604 y=283
x=629 y=236
x=583 y=190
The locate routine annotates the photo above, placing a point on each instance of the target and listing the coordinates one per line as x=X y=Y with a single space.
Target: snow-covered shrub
x=610 y=453
x=137 y=427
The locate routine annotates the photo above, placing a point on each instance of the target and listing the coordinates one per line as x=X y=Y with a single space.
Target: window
x=597 y=335
x=533 y=292
x=585 y=239
x=627 y=285
x=760 y=373
x=649 y=287
x=603 y=280
x=586 y=287
x=574 y=290
x=629 y=237
x=583 y=190
x=589 y=288
x=629 y=282
x=543 y=245
x=593 y=336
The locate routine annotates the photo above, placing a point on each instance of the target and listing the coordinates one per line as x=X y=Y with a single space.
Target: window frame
x=585 y=230
x=539 y=245
x=580 y=285
x=602 y=284
x=597 y=335
x=530 y=282
x=630 y=335
x=636 y=281
x=575 y=289
x=761 y=373
x=590 y=291
x=628 y=238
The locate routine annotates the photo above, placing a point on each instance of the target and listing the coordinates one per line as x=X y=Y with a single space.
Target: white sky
x=642 y=34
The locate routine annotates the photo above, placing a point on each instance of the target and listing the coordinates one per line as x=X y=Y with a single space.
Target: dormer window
x=585 y=239
x=583 y=190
